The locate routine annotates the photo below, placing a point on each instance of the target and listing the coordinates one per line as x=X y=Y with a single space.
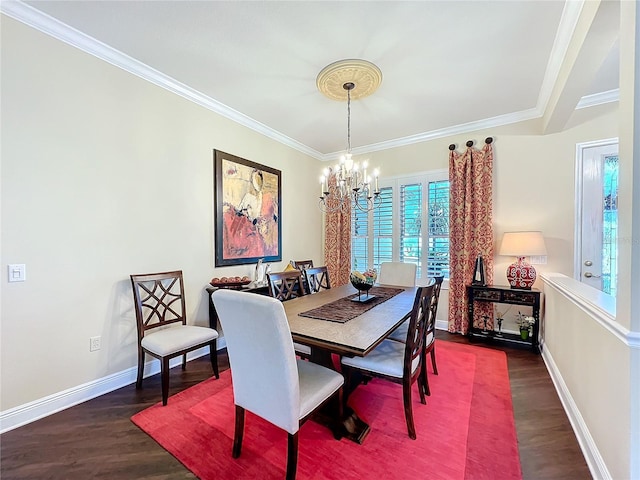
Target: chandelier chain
x=349 y=120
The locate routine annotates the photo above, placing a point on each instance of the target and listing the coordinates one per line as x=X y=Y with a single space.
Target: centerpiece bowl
x=363 y=283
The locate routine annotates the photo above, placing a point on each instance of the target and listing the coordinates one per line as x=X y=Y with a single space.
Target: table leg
x=350 y=426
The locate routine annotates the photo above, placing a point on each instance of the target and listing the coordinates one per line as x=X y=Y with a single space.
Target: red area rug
x=466 y=430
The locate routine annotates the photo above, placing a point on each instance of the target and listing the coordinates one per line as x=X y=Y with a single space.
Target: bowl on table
x=363 y=281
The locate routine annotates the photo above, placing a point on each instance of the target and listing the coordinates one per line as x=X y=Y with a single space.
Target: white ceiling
x=447 y=66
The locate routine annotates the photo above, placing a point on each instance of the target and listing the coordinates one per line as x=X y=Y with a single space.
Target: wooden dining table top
x=356 y=337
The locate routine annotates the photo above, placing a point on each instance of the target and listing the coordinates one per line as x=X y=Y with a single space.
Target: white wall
x=104 y=175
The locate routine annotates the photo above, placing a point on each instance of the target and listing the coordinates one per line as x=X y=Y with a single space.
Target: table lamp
x=521 y=274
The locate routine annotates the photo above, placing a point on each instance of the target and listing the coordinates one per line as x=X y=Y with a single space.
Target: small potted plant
x=525 y=323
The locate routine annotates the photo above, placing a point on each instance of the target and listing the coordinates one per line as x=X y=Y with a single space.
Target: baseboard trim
x=30 y=412
x=592 y=455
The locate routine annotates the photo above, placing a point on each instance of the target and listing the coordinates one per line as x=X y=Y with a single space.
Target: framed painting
x=247 y=199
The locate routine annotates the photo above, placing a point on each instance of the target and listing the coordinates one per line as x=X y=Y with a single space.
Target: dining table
x=318 y=320
x=334 y=325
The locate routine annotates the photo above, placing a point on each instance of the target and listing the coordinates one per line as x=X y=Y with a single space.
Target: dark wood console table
x=510 y=296
x=261 y=289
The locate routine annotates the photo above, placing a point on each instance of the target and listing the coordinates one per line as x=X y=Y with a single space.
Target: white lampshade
x=522 y=244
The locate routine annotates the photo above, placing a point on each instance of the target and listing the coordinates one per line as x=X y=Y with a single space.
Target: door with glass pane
x=597 y=252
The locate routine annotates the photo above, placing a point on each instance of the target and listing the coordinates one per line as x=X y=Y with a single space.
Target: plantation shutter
x=410 y=224
x=383 y=229
x=359 y=240
x=438 y=218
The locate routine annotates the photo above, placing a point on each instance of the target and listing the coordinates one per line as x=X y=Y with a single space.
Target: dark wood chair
x=400 y=333
x=159 y=302
x=317 y=278
x=398 y=362
x=302 y=264
x=284 y=286
x=430 y=334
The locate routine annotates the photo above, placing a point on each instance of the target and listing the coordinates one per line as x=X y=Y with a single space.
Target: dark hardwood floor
x=98 y=440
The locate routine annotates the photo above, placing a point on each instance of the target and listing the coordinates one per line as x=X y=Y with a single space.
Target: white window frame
x=424 y=178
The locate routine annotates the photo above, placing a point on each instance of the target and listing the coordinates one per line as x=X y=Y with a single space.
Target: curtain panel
x=470 y=229
x=337 y=238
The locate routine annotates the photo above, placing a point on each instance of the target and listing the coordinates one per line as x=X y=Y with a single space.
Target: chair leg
x=140 y=368
x=164 y=375
x=213 y=355
x=425 y=382
x=292 y=456
x=422 y=388
x=184 y=361
x=408 y=409
x=239 y=432
x=433 y=359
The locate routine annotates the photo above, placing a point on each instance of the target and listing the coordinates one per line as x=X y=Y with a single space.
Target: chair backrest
x=302 y=264
x=435 y=298
x=420 y=314
x=317 y=279
x=261 y=356
x=286 y=285
x=158 y=300
x=397 y=273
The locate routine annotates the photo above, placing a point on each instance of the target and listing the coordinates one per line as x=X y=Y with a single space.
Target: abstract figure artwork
x=247 y=206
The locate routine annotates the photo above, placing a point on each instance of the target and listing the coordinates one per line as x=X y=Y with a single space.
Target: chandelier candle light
x=521 y=274
x=353 y=184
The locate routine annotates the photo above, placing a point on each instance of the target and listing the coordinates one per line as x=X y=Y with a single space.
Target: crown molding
x=50 y=26
x=599 y=98
x=486 y=123
x=46 y=24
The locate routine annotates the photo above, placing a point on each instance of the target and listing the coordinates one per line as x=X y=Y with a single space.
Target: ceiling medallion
x=363 y=74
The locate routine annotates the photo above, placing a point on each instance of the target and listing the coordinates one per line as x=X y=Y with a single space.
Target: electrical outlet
x=538 y=260
x=95 y=343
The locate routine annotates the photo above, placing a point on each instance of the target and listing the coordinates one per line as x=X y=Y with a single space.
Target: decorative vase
x=521 y=274
x=524 y=333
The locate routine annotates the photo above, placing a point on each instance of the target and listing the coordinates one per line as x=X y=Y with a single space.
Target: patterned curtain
x=337 y=238
x=471 y=230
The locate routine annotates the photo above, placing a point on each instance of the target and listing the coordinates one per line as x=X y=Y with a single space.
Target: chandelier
x=348 y=184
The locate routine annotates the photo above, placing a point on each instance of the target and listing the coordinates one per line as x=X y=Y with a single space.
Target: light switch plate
x=17 y=272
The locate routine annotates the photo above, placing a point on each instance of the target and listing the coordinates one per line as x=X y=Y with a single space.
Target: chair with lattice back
x=286 y=285
x=302 y=264
x=163 y=332
x=317 y=278
x=396 y=361
x=400 y=333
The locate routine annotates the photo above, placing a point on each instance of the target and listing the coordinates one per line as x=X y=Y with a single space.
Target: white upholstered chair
x=267 y=378
x=399 y=362
x=397 y=273
x=163 y=332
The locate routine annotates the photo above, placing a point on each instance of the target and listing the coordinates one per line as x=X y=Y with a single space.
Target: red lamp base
x=520 y=274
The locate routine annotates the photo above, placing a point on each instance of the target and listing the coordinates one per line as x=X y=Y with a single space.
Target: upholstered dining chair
x=267 y=378
x=317 y=278
x=163 y=332
x=400 y=333
x=399 y=362
x=302 y=264
x=284 y=286
x=397 y=273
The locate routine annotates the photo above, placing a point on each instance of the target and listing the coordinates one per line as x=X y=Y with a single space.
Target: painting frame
x=247 y=197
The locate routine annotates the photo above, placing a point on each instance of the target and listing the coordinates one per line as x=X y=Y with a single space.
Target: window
x=393 y=231
x=438 y=255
